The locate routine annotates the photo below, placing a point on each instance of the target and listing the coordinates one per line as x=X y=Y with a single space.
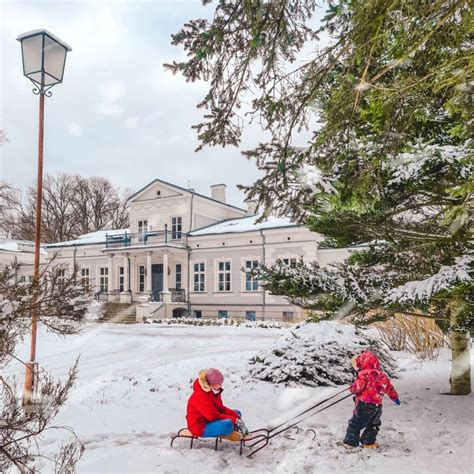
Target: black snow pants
x=366 y=417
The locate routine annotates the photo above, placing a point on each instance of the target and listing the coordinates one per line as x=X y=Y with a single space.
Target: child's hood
x=368 y=360
x=201 y=383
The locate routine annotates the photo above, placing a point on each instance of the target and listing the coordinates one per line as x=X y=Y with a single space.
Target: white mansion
x=185 y=254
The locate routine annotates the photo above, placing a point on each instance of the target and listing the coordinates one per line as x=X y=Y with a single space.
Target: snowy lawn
x=134 y=382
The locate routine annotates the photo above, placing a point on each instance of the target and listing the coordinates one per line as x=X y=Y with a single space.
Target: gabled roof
x=243 y=224
x=156 y=180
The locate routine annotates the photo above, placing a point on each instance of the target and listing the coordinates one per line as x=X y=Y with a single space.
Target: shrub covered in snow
x=217 y=322
x=94 y=311
x=317 y=354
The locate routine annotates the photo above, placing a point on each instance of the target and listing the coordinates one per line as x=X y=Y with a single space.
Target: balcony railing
x=177 y=296
x=155 y=237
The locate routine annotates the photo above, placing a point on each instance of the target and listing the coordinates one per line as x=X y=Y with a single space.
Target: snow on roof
x=98 y=237
x=25 y=246
x=28 y=34
x=243 y=224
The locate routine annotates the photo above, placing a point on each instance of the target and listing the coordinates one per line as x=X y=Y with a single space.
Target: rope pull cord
x=308 y=410
x=309 y=416
x=267 y=438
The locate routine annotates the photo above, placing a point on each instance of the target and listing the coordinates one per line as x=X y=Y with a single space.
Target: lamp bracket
x=41 y=90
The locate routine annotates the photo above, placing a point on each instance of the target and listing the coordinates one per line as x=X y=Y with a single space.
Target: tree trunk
x=461 y=364
x=460 y=349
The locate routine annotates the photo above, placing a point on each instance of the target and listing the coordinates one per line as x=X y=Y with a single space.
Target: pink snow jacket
x=371 y=384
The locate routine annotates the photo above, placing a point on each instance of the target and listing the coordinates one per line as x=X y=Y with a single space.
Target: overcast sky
x=118 y=114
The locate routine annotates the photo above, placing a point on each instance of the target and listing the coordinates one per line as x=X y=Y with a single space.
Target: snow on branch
x=412 y=165
x=422 y=291
x=311 y=177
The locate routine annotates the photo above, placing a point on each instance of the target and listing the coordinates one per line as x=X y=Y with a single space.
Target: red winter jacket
x=205 y=406
x=371 y=383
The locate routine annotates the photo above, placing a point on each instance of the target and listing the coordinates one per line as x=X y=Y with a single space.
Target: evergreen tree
x=387 y=94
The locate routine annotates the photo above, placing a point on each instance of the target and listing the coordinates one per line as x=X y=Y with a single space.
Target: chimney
x=218 y=192
x=251 y=207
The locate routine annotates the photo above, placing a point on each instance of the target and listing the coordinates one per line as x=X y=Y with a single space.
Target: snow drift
x=318 y=354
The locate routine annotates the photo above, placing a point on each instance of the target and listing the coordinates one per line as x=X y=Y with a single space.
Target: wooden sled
x=252 y=436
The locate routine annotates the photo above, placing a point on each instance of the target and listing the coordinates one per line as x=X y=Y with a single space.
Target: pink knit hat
x=214 y=376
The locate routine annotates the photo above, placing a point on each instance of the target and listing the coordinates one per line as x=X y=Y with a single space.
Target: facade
x=186 y=254
x=21 y=253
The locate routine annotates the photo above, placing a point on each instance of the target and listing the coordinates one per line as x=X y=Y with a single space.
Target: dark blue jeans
x=219 y=427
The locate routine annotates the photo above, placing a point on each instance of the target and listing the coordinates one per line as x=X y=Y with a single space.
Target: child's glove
x=240 y=427
x=397 y=402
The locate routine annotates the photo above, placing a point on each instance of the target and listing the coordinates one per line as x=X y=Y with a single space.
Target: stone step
x=126 y=313
x=122 y=313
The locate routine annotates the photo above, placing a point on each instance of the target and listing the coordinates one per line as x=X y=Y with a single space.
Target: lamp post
x=44 y=58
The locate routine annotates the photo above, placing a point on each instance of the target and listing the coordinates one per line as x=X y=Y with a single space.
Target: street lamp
x=44 y=57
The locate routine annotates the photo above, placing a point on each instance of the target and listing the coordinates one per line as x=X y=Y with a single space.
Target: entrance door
x=156 y=281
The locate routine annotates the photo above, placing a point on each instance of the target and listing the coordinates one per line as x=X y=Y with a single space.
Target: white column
x=148 y=273
x=126 y=295
x=166 y=292
x=165 y=272
x=110 y=265
x=126 y=282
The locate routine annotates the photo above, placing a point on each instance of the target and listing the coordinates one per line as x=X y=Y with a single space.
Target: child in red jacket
x=369 y=388
x=206 y=414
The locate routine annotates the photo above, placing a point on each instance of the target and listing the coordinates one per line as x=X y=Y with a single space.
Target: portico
x=155 y=273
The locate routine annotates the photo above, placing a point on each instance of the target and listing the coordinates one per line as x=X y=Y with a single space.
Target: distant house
x=21 y=253
x=186 y=254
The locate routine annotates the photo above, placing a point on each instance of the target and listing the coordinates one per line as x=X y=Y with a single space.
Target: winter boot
x=347 y=445
x=370 y=446
x=234 y=436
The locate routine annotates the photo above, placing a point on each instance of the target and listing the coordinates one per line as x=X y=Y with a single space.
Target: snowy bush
x=217 y=322
x=317 y=354
x=94 y=311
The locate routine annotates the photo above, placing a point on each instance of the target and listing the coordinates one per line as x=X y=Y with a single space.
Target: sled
x=255 y=436
x=259 y=439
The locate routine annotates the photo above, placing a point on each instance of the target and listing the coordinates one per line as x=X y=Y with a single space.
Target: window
x=141 y=278
x=142 y=230
x=199 y=276
x=26 y=278
x=288 y=316
x=103 y=279
x=224 y=276
x=176 y=227
x=222 y=314
x=178 y=276
x=291 y=262
x=251 y=283
x=197 y=314
x=85 y=274
x=61 y=276
x=121 y=279
x=250 y=315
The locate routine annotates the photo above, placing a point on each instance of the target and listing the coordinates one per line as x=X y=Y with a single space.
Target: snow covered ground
x=134 y=382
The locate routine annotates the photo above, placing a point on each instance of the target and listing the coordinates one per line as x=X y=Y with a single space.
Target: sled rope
x=307 y=410
x=292 y=425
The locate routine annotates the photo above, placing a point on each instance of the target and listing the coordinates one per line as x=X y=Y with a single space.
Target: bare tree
x=9 y=200
x=72 y=205
x=63 y=303
x=98 y=205
x=119 y=215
